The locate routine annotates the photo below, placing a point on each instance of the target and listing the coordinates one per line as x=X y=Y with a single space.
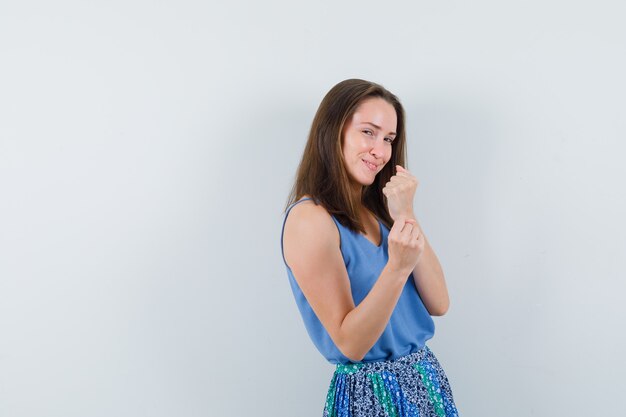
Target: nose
x=378 y=148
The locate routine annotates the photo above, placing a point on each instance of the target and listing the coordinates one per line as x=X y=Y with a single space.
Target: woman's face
x=367 y=138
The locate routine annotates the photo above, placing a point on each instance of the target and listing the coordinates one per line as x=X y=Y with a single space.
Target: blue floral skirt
x=410 y=386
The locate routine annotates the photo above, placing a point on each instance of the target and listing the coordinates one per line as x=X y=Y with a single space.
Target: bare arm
x=363 y=325
x=430 y=281
x=427 y=273
x=311 y=245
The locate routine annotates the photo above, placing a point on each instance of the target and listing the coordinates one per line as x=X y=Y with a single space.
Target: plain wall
x=147 y=149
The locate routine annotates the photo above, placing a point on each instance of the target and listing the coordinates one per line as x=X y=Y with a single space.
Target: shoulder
x=308 y=227
x=307 y=216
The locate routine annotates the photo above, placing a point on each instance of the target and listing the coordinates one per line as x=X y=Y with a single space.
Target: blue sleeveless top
x=410 y=325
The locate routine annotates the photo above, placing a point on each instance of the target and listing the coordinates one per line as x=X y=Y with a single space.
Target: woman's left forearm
x=430 y=281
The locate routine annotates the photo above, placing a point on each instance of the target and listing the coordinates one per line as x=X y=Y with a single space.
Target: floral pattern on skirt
x=414 y=385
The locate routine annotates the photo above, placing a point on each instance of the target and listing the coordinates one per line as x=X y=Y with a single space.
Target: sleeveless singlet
x=410 y=325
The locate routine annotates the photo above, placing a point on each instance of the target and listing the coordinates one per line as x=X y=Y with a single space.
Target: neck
x=357 y=192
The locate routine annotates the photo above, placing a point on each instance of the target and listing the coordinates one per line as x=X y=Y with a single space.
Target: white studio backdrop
x=146 y=153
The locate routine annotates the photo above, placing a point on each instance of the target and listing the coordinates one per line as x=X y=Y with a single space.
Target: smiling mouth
x=371 y=167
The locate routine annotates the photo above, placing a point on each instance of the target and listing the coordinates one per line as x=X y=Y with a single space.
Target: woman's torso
x=410 y=324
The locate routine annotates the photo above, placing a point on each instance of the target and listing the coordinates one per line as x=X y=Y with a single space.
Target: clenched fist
x=406 y=245
x=400 y=191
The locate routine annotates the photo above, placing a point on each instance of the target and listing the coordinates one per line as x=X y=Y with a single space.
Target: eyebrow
x=378 y=127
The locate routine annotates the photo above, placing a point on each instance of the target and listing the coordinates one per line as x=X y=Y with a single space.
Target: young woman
x=365 y=279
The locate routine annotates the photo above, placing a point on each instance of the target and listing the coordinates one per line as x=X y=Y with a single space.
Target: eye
x=390 y=140
x=367 y=131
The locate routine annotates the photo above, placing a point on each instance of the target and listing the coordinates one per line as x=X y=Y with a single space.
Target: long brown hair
x=322 y=173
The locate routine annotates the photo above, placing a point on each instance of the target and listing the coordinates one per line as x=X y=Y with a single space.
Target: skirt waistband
x=410 y=385
x=390 y=364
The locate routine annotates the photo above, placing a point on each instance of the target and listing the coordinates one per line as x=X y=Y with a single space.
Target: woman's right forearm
x=362 y=326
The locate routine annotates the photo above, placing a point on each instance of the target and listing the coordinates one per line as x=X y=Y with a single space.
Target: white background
x=146 y=153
